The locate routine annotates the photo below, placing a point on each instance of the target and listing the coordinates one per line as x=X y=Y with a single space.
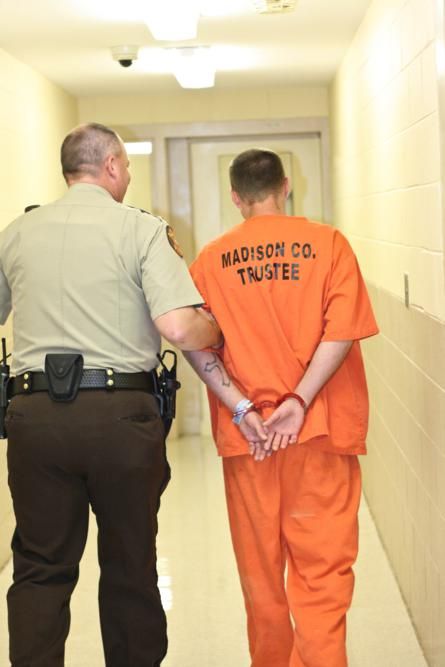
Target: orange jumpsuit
x=278 y=286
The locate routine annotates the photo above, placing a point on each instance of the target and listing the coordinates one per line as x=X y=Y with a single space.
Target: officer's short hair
x=85 y=148
x=255 y=174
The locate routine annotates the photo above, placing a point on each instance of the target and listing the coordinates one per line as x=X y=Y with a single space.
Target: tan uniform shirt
x=88 y=274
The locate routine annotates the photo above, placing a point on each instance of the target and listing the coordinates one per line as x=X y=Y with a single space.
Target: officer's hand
x=284 y=425
x=205 y=312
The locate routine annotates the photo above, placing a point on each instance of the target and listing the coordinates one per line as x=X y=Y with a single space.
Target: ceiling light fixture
x=273 y=6
x=193 y=67
x=225 y=8
x=177 y=20
x=172 y=20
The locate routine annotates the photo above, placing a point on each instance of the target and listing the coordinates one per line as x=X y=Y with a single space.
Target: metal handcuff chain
x=258 y=407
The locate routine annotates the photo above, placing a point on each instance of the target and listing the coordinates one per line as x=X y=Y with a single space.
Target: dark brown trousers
x=107 y=450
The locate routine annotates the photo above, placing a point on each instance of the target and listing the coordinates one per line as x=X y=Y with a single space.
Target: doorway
x=186 y=155
x=213 y=212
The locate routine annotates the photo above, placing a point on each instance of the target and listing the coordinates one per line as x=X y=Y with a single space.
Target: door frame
x=440 y=58
x=171 y=190
x=162 y=136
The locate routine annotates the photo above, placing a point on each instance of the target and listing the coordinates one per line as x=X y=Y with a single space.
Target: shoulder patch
x=173 y=242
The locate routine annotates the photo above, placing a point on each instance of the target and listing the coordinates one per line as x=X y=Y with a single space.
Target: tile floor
x=200 y=588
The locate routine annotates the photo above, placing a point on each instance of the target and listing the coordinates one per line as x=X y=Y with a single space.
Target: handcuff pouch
x=63 y=373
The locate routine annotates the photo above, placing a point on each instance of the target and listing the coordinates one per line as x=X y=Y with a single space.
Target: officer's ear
x=110 y=165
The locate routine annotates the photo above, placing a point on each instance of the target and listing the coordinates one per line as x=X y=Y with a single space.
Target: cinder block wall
x=388 y=200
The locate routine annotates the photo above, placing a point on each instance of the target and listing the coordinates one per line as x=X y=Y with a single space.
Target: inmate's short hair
x=255 y=174
x=85 y=148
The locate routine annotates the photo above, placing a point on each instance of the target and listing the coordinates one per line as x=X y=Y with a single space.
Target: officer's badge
x=173 y=242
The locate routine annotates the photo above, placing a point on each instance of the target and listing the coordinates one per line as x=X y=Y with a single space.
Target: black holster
x=4 y=380
x=167 y=386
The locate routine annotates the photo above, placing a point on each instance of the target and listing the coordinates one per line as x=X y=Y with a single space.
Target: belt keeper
x=27 y=382
x=110 y=384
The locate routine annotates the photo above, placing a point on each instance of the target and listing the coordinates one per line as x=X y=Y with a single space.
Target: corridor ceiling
x=69 y=42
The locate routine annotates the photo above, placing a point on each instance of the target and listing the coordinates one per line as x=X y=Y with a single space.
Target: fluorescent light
x=260 y=5
x=193 y=67
x=225 y=58
x=155 y=60
x=229 y=58
x=172 y=20
x=139 y=147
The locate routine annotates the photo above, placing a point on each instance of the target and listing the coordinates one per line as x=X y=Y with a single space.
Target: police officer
x=93 y=284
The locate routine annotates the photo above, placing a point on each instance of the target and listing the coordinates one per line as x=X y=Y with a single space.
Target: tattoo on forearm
x=215 y=364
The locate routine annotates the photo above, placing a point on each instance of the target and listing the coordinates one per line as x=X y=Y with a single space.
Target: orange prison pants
x=293 y=519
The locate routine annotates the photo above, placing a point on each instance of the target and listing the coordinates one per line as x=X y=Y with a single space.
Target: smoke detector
x=274 y=6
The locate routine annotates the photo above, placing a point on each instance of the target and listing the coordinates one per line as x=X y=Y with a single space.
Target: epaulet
x=142 y=210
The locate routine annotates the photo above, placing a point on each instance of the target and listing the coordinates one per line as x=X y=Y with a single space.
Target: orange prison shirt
x=278 y=286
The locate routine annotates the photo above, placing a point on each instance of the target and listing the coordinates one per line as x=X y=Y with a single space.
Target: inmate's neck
x=266 y=207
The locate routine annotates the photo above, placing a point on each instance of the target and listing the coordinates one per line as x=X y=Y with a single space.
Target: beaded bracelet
x=242 y=408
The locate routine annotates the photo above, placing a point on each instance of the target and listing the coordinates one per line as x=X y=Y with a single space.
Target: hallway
x=352 y=95
x=200 y=589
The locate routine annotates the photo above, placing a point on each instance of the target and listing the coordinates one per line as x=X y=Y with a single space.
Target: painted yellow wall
x=34 y=117
x=139 y=190
x=206 y=105
x=386 y=138
x=387 y=199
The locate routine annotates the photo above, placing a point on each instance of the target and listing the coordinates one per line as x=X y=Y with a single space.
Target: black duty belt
x=106 y=378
